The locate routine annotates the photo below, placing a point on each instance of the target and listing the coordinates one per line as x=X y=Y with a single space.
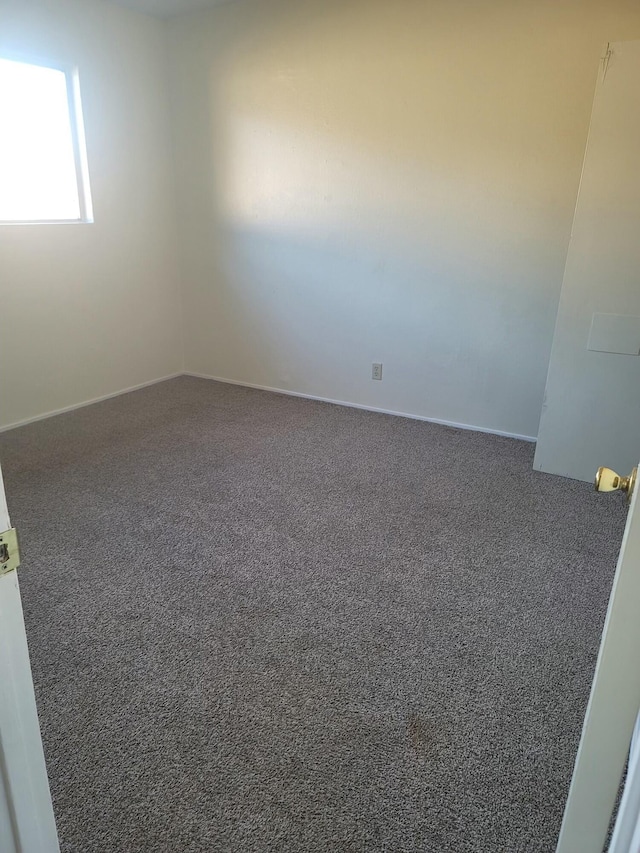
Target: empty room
x=320 y=319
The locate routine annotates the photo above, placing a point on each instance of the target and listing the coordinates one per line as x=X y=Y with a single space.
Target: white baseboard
x=287 y=393
x=87 y=402
x=471 y=427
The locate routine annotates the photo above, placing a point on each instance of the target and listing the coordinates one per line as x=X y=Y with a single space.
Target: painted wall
x=366 y=181
x=89 y=310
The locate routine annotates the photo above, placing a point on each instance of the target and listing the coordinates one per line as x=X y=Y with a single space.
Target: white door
x=593 y=385
x=613 y=707
x=26 y=816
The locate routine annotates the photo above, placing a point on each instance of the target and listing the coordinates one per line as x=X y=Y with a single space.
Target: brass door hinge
x=9 y=551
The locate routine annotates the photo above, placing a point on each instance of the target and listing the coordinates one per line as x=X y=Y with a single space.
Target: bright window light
x=43 y=174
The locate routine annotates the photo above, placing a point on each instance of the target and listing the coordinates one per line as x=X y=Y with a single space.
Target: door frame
x=613 y=705
x=27 y=823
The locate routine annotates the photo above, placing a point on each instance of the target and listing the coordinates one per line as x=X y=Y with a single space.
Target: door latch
x=9 y=551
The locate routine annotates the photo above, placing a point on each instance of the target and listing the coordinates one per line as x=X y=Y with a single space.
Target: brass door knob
x=608 y=481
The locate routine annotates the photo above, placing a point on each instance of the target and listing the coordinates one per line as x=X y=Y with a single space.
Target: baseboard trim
x=90 y=402
x=454 y=424
x=287 y=393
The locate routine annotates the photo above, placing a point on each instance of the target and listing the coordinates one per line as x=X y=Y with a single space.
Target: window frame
x=78 y=139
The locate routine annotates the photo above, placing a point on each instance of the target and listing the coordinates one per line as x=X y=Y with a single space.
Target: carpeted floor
x=260 y=623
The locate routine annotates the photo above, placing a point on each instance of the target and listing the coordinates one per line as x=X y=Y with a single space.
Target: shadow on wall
x=382 y=182
x=294 y=313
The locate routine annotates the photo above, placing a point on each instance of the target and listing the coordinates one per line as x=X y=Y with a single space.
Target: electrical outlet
x=376 y=370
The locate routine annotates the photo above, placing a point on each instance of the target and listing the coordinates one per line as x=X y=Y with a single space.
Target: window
x=43 y=166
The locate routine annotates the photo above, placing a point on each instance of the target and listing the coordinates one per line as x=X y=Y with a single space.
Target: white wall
x=358 y=181
x=89 y=310
x=365 y=180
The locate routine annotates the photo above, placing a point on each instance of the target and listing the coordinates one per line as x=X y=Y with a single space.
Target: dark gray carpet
x=260 y=623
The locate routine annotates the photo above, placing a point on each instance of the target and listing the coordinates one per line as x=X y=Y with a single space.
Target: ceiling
x=167 y=8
